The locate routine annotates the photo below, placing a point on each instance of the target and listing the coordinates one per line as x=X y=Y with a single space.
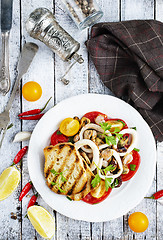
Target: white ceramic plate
x=121 y=200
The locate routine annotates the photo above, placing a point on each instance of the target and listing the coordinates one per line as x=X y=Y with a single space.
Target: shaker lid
x=35 y=17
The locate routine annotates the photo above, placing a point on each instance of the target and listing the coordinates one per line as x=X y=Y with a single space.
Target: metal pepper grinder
x=43 y=26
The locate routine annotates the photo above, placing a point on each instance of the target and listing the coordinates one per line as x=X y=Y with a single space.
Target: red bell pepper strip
x=119 y=120
x=34 y=111
x=156 y=195
x=19 y=155
x=92 y=115
x=136 y=161
x=25 y=190
x=91 y=200
x=32 y=200
x=34 y=117
x=58 y=137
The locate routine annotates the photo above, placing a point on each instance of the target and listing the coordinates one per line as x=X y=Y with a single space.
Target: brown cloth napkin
x=129 y=59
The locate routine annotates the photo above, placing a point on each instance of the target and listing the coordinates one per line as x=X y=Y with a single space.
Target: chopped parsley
x=108 y=169
x=116 y=132
x=121 y=122
x=54 y=172
x=134 y=128
x=105 y=126
x=115 y=183
x=69 y=198
x=53 y=183
x=62 y=191
x=132 y=167
x=59 y=133
x=110 y=140
x=97 y=178
x=71 y=139
x=61 y=178
x=96 y=181
x=136 y=149
x=108 y=182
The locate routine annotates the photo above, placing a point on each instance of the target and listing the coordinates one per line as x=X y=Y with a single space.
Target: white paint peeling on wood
x=159 y=10
x=159 y=215
x=145 y=10
x=111 y=14
x=97 y=230
x=41 y=71
x=9 y=228
x=78 y=75
x=110 y=9
x=68 y=228
x=108 y=229
x=139 y=9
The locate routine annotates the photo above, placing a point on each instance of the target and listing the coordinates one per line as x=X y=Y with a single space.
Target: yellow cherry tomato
x=69 y=127
x=32 y=91
x=138 y=222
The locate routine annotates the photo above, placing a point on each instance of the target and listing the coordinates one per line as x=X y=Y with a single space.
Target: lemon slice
x=42 y=221
x=9 y=180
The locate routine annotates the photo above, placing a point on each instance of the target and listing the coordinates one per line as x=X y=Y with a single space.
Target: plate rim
x=94 y=95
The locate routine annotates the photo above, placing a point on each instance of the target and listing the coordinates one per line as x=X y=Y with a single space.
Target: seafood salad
x=89 y=157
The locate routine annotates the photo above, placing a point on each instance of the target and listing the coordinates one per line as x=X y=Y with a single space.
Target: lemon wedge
x=9 y=180
x=42 y=221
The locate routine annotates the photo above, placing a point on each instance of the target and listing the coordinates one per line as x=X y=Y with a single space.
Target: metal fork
x=26 y=57
x=6 y=23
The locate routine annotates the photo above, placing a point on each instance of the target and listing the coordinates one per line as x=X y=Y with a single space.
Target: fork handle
x=3 y=135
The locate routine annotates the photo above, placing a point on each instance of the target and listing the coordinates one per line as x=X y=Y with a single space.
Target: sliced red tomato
x=136 y=161
x=58 y=137
x=119 y=120
x=93 y=115
x=91 y=200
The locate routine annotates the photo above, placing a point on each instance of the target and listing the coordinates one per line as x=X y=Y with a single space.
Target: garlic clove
x=22 y=136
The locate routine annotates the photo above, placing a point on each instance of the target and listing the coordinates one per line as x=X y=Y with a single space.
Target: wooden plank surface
x=141 y=9
x=47 y=69
x=9 y=228
x=41 y=71
x=78 y=85
x=159 y=175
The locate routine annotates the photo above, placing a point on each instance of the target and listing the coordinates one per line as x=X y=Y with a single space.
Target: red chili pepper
x=35 y=117
x=19 y=155
x=32 y=200
x=34 y=111
x=25 y=190
x=156 y=195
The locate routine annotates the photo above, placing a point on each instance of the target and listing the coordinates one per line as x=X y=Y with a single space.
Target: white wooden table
x=46 y=69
